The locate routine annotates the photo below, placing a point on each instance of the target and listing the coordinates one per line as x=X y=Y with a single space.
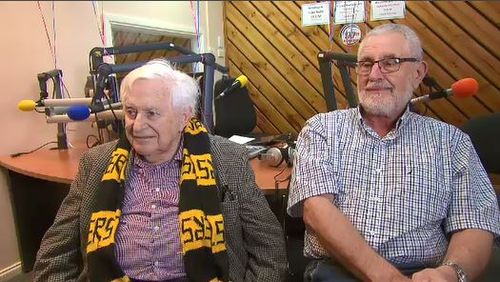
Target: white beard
x=384 y=104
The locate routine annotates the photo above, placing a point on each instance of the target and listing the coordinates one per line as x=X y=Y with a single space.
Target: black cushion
x=485 y=135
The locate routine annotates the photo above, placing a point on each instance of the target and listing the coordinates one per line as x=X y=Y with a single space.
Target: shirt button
x=156 y=263
x=157 y=189
x=371 y=232
x=378 y=170
x=156 y=228
x=153 y=206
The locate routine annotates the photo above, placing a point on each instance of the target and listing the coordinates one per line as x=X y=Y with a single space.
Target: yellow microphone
x=30 y=105
x=239 y=82
x=26 y=105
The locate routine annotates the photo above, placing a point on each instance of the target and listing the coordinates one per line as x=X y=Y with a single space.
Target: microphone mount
x=55 y=75
x=101 y=73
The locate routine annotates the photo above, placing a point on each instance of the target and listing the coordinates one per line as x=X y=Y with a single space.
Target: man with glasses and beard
x=386 y=194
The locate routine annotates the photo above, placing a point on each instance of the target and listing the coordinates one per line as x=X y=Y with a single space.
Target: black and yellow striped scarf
x=200 y=220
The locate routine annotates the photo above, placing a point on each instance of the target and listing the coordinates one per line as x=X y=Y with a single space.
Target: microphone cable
x=15 y=155
x=100 y=138
x=37 y=110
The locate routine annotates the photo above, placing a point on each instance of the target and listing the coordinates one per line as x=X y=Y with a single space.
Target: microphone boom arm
x=55 y=75
x=208 y=59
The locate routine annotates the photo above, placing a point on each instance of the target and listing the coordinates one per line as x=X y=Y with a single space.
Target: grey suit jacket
x=255 y=241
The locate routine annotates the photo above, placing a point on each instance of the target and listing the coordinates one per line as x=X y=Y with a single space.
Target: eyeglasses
x=386 y=65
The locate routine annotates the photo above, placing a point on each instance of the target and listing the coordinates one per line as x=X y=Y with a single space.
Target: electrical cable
x=54 y=33
x=46 y=30
x=95 y=143
x=15 y=155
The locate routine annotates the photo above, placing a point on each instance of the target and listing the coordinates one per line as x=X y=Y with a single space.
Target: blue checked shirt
x=405 y=193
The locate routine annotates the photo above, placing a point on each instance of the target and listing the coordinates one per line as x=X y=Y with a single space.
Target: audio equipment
x=462 y=88
x=239 y=82
x=275 y=156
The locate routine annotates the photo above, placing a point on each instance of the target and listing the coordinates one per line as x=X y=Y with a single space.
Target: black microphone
x=239 y=82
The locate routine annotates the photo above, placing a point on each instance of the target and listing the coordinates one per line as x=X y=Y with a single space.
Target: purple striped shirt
x=147 y=241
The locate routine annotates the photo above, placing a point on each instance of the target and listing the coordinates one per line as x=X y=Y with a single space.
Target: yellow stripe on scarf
x=194 y=127
x=199 y=230
x=199 y=168
x=116 y=168
x=122 y=279
x=103 y=225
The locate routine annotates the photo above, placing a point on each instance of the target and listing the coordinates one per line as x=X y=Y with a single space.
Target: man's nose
x=139 y=121
x=375 y=72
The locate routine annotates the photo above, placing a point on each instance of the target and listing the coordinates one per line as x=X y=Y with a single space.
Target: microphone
x=105 y=115
x=27 y=105
x=272 y=156
x=78 y=112
x=462 y=88
x=82 y=112
x=239 y=82
x=275 y=156
x=30 y=105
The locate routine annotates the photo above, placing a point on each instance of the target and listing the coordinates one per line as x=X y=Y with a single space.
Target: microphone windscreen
x=78 y=112
x=243 y=80
x=465 y=87
x=272 y=156
x=26 y=105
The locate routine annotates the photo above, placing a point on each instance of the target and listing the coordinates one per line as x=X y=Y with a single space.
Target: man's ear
x=186 y=116
x=420 y=73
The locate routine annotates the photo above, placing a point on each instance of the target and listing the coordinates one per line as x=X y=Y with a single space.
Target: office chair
x=294 y=229
x=234 y=113
x=485 y=135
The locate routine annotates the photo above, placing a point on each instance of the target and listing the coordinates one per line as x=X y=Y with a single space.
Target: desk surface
x=62 y=166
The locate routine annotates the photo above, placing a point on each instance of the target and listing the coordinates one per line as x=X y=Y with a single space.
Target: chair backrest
x=235 y=112
x=485 y=135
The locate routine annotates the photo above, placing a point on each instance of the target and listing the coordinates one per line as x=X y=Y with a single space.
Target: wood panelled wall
x=130 y=37
x=266 y=42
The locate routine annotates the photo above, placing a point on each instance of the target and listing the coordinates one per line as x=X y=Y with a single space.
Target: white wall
x=24 y=52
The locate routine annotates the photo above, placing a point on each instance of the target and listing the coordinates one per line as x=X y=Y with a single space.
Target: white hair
x=184 y=90
x=408 y=33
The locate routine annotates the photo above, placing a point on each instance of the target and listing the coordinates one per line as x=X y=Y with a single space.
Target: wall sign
x=315 y=14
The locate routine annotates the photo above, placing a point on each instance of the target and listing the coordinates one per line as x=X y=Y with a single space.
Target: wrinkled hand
x=439 y=274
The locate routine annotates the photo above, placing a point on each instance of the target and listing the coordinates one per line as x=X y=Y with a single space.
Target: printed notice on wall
x=386 y=10
x=349 y=12
x=316 y=14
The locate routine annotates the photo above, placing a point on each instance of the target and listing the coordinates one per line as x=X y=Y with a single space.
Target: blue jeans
x=323 y=270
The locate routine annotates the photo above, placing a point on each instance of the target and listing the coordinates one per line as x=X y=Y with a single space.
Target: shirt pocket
x=423 y=193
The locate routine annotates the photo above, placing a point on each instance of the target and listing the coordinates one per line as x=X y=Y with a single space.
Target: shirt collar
x=400 y=123
x=139 y=162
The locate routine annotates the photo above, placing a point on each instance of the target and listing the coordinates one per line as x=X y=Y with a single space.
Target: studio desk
x=38 y=183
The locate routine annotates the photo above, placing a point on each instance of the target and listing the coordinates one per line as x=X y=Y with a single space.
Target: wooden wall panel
x=130 y=37
x=266 y=42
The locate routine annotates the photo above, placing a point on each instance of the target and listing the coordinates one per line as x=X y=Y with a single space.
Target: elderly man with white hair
x=165 y=202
